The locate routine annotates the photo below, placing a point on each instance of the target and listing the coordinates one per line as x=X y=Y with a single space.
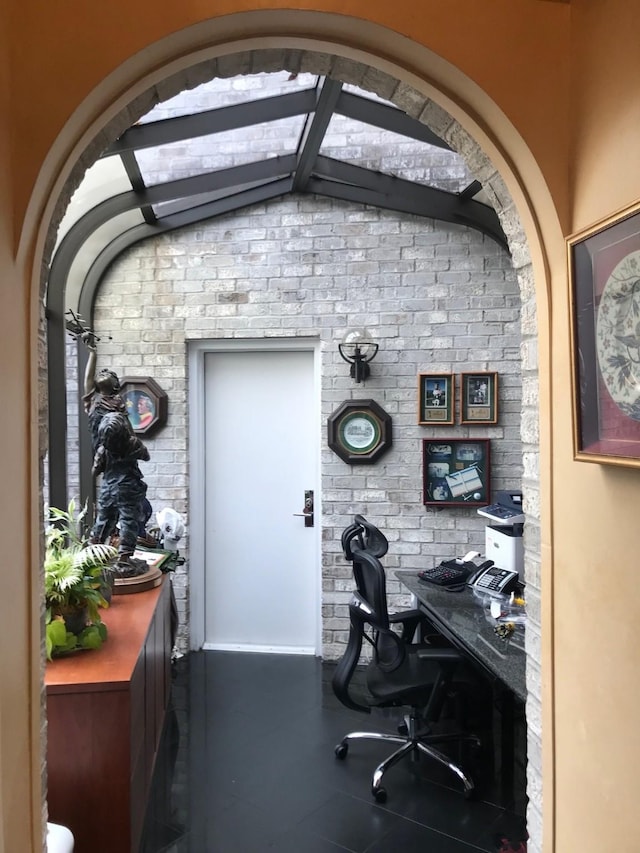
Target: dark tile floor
x=247 y=765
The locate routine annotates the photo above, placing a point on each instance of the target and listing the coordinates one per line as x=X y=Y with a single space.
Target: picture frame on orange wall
x=604 y=278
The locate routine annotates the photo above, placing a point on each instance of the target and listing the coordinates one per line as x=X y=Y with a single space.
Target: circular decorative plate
x=359 y=432
x=618 y=335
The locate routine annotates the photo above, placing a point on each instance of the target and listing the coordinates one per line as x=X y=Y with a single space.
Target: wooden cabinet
x=105 y=712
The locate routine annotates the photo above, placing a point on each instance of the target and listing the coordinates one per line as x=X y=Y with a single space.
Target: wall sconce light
x=358 y=350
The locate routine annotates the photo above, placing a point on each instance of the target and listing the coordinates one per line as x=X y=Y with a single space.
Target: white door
x=261 y=452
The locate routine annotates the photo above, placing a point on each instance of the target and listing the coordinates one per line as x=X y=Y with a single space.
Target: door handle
x=307 y=512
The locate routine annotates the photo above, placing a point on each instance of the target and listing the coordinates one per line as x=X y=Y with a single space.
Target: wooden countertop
x=111 y=666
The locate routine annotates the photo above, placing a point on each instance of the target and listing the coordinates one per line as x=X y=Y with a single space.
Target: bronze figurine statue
x=122 y=491
x=117 y=450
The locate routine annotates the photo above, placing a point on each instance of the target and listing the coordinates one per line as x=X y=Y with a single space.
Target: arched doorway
x=410 y=96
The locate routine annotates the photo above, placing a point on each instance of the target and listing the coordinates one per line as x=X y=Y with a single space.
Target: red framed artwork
x=604 y=274
x=456 y=472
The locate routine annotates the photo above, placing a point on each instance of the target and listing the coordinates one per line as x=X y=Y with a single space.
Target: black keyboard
x=447 y=573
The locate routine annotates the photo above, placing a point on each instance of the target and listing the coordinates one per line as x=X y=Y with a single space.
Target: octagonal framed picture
x=146 y=403
x=359 y=431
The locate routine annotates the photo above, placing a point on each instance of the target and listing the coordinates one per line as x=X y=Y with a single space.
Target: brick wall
x=436 y=299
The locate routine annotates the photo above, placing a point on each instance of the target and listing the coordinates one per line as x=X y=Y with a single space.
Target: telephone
x=493 y=580
x=453 y=572
x=486 y=577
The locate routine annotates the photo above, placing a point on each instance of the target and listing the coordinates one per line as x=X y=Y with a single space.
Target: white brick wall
x=436 y=298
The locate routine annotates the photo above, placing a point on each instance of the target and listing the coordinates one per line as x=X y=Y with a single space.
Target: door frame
x=196 y=352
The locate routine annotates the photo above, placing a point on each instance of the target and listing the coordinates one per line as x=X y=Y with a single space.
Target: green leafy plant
x=77 y=581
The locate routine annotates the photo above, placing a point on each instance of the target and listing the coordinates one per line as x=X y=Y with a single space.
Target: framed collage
x=456 y=472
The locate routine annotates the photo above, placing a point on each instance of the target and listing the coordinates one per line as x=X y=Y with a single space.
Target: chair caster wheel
x=341 y=751
x=403 y=729
x=470 y=793
x=380 y=795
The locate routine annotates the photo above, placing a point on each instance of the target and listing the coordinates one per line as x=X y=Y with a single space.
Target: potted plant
x=77 y=584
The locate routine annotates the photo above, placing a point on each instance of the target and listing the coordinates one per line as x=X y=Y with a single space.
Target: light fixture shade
x=358 y=349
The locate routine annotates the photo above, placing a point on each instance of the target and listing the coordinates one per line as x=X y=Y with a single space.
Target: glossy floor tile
x=247 y=765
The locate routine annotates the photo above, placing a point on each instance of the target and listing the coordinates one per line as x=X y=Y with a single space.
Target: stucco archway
x=489 y=148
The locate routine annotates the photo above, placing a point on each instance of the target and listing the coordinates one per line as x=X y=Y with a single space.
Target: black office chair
x=367 y=537
x=401 y=673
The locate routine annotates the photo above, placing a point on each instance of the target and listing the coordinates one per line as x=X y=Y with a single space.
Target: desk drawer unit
x=105 y=712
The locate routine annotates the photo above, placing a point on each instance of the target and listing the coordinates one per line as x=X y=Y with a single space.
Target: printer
x=503 y=535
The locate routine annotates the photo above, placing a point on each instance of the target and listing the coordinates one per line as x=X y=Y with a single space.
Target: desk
x=460 y=618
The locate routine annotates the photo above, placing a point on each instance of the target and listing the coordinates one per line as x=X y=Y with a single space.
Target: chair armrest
x=414 y=619
x=444 y=655
x=410 y=620
x=404 y=615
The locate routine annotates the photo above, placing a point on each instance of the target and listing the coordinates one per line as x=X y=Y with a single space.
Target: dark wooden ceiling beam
x=314 y=131
x=170 y=130
x=386 y=117
x=353 y=183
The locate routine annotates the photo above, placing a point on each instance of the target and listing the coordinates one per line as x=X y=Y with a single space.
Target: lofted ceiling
x=186 y=162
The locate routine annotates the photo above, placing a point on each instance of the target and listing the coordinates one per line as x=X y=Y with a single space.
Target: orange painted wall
x=606 y=108
x=20 y=791
x=515 y=50
x=597 y=594
x=566 y=76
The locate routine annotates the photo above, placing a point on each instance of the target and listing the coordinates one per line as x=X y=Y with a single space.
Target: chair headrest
x=364 y=536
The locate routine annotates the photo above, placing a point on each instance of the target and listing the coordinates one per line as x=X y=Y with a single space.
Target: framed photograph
x=436 y=398
x=479 y=398
x=604 y=272
x=359 y=431
x=146 y=403
x=456 y=472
